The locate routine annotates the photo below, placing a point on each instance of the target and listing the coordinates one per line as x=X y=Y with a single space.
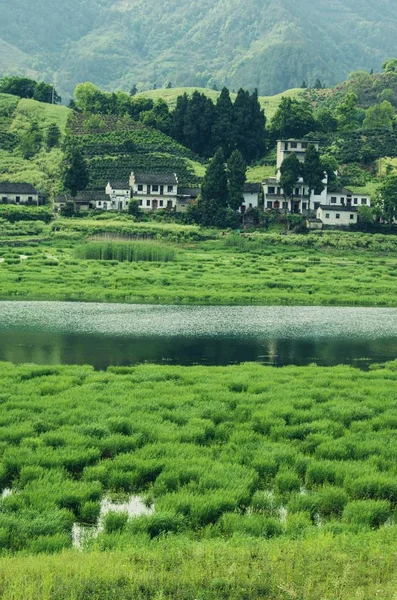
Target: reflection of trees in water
x=100 y=351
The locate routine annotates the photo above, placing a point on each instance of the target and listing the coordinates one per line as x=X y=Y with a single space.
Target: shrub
x=115 y=521
x=287 y=481
x=367 y=513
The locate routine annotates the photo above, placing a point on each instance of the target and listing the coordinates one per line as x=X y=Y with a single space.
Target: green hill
x=113 y=147
x=266 y=44
x=16 y=116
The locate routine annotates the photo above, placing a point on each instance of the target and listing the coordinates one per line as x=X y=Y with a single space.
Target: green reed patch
x=126 y=251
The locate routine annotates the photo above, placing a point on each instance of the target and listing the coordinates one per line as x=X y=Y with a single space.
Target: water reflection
x=103 y=335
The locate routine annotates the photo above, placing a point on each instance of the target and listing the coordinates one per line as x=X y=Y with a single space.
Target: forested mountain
x=269 y=44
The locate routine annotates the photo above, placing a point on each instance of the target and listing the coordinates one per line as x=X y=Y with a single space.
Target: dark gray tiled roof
x=192 y=192
x=155 y=178
x=252 y=188
x=17 y=188
x=336 y=208
x=119 y=185
x=82 y=197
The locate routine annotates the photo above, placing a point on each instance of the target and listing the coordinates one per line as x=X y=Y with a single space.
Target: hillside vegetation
x=268 y=103
x=266 y=44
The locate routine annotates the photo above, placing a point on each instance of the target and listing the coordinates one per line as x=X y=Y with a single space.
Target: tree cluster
x=222 y=191
x=203 y=126
x=29 y=88
x=89 y=99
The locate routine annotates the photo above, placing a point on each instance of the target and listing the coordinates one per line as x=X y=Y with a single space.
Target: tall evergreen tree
x=313 y=171
x=214 y=193
x=75 y=173
x=243 y=123
x=258 y=128
x=236 y=172
x=290 y=172
x=53 y=136
x=223 y=131
x=178 y=118
x=198 y=121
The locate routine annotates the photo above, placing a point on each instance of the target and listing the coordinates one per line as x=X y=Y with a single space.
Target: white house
x=287 y=147
x=252 y=196
x=19 y=193
x=119 y=193
x=345 y=197
x=154 y=190
x=274 y=198
x=341 y=207
x=300 y=203
x=342 y=216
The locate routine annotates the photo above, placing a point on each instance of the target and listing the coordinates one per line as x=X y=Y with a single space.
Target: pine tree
x=313 y=171
x=198 y=121
x=53 y=136
x=236 y=171
x=223 y=132
x=75 y=173
x=258 y=128
x=178 y=118
x=214 y=193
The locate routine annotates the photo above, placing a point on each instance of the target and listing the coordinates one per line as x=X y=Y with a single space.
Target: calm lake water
x=120 y=334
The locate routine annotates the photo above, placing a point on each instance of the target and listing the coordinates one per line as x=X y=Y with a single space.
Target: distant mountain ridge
x=268 y=44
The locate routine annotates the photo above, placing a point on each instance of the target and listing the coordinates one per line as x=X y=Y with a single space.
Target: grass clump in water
x=126 y=251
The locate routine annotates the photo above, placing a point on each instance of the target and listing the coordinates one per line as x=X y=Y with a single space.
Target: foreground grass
x=266 y=483
x=334 y=269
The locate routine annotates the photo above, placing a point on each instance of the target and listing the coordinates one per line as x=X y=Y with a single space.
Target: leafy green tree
x=45 y=92
x=313 y=171
x=389 y=95
x=329 y=166
x=366 y=215
x=18 y=86
x=68 y=209
x=159 y=117
x=237 y=175
x=75 y=173
x=379 y=116
x=390 y=65
x=30 y=141
x=138 y=106
x=326 y=122
x=348 y=113
x=293 y=119
x=290 y=171
x=134 y=208
x=53 y=136
x=88 y=98
x=134 y=90
x=223 y=131
x=387 y=198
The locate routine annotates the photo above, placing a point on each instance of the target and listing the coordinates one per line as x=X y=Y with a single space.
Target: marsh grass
x=126 y=251
x=241 y=463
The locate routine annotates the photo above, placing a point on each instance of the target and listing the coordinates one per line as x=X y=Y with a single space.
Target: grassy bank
x=265 y=483
x=349 y=269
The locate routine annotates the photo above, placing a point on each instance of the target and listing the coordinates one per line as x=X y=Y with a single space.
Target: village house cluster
x=161 y=191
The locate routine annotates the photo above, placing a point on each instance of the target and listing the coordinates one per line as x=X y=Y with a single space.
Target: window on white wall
x=337 y=216
x=170 y=188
